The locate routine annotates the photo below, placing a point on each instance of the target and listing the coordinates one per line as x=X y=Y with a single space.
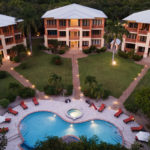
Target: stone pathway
x=9 y=67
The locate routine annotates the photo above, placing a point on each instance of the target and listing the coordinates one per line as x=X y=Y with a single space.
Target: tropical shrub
x=122 y=54
x=3 y=74
x=56 y=60
x=99 y=50
x=14 y=85
x=11 y=96
x=61 y=52
x=16 y=59
x=131 y=53
x=4 y=102
x=24 y=65
x=86 y=51
x=137 y=57
x=106 y=94
x=69 y=89
x=26 y=92
x=50 y=90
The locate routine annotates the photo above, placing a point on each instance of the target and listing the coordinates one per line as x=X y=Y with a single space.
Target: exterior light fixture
x=114 y=63
x=28 y=53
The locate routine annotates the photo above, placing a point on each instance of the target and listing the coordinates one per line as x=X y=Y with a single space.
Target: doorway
x=74 y=44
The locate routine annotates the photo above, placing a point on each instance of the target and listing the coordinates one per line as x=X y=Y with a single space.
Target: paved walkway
x=9 y=67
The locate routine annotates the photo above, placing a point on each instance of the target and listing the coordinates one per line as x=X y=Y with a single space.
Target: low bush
x=137 y=57
x=24 y=66
x=61 y=52
x=103 y=49
x=16 y=59
x=3 y=74
x=92 y=49
x=86 y=51
x=122 y=54
x=4 y=102
x=69 y=89
x=106 y=94
x=131 y=107
x=14 y=85
x=22 y=55
x=56 y=60
x=52 y=90
x=26 y=92
x=131 y=53
x=12 y=96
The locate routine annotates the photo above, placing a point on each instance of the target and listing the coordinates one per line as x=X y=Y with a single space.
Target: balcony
x=128 y=49
x=85 y=27
x=85 y=47
x=19 y=40
x=140 y=53
x=1 y=46
x=17 y=31
x=74 y=38
x=52 y=36
x=130 y=40
x=9 y=43
x=143 y=31
x=8 y=33
x=132 y=29
x=62 y=27
x=97 y=26
x=97 y=36
x=144 y=42
x=51 y=26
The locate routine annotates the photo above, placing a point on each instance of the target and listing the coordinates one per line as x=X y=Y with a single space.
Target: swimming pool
x=39 y=125
x=74 y=113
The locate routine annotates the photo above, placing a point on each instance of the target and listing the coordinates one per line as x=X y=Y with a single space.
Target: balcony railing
x=86 y=27
x=140 y=53
x=130 y=40
x=85 y=47
x=1 y=46
x=51 y=26
x=132 y=29
x=97 y=36
x=52 y=36
x=128 y=49
x=97 y=26
x=141 y=41
x=74 y=37
x=143 y=31
x=19 y=40
x=9 y=43
x=8 y=33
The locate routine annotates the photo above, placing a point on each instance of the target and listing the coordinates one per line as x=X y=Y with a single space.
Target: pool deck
x=59 y=107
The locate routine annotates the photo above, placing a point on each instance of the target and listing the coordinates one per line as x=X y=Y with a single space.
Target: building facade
x=10 y=35
x=74 y=25
x=138 y=25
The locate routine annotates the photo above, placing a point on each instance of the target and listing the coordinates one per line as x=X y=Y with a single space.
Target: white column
x=4 y=46
x=123 y=45
x=102 y=42
x=147 y=46
x=45 y=41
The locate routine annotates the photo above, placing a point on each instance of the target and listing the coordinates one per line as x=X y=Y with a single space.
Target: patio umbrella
x=143 y=136
x=2 y=119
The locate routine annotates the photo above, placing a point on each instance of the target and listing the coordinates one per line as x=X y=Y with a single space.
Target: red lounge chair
x=131 y=118
x=35 y=101
x=7 y=120
x=23 y=105
x=10 y=110
x=118 y=113
x=4 y=129
x=92 y=105
x=139 y=128
x=102 y=107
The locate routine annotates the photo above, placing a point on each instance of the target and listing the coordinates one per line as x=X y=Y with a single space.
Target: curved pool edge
x=19 y=145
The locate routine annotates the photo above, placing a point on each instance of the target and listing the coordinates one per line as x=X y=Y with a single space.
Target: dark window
x=0 y=43
x=85 y=33
x=5 y=29
x=133 y=25
x=95 y=42
x=132 y=36
x=85 y=43
x=17 y=37
x=62 y=22
x=143 y=38
x=9 y=40
x=145 y=27
x=86 y=22
x=62 y=33
x=97 y=22
x=52 y=32
x=96 y=32
x=131 y=46
x=51 y=22
x=141 y=49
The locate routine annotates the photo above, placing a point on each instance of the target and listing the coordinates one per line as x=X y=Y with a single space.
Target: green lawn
x=145 y=82
x=114 y=78
x=40 y=67
x=4 y=85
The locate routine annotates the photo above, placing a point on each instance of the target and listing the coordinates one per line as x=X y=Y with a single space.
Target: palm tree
x=30 y=21
x=114 y=30
x=54 y=79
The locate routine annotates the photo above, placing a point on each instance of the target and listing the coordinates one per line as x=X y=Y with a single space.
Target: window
x=85 y=22
x=131 y=46
x=52 y=32
x=51 y=22
x=132 y=36
x=17 y=37
x=143 y=38
x=0 y=42
x=85 y=43
x=62 y=33
x=97 y=22
x=145 y=27
x=141 y=49
x=62 y=22
x=133 y=25
x=5 y=29
x=85 y=33
x=9 y=40
x=96 y=32
x=95 y=42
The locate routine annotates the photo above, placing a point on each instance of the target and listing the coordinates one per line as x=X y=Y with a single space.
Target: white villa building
x=138 y=24
x=10 y=35
x=75 y=25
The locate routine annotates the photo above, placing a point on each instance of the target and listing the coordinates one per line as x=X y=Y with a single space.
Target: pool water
x=37 y=126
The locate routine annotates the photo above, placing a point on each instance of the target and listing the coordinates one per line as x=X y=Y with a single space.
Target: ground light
x=28 y=53
x=114 y=63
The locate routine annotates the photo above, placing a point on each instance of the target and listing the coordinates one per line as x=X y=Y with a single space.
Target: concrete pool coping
x=60 y=108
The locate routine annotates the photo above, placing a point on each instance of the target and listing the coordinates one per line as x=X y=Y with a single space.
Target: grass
x=114 y=78
x=4 y=85
x=40 y=67
x=145 y=82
